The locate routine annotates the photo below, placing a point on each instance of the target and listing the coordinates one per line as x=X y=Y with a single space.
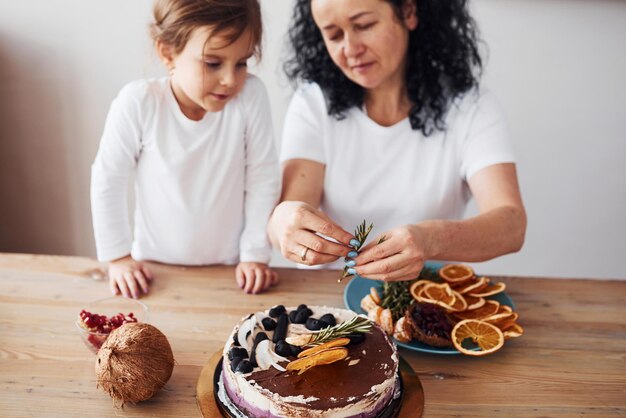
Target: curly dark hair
x=443 y=61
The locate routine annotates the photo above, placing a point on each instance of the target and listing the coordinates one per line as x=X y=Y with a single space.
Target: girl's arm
x=110 y=174
x=499 y=229
x=262 y=179
x=261 y=189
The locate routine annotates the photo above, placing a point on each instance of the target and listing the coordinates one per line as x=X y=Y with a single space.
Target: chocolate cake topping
x=338 y=382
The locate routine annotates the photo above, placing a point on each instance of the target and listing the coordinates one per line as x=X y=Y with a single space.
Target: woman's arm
x=499 y=229
x=296 y=222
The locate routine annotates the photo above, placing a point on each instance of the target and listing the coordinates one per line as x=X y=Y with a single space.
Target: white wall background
x=558 y=66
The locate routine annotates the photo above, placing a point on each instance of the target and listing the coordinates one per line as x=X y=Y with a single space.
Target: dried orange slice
x=489 y=290
x=460 y=304
x=456 y=273
x=489 y=308
x=442 y=295
x=320 y=358
x=417 y=286
x=513 y=331
x=502 y=317
x=473 y=303
x=473 y=286
x=339 y=342
x=439 y=292
x=488 y=337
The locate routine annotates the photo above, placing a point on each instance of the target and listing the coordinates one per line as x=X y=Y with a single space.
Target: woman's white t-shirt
x=393 y=176
x=204 y=189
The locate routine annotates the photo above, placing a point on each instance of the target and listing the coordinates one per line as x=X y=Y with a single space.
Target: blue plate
x=359 y=287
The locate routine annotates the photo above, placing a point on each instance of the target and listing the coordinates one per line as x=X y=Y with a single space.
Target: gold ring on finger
x=303 y=254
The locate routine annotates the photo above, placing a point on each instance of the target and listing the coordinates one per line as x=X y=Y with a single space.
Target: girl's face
x=208 y=72
x=365 y=39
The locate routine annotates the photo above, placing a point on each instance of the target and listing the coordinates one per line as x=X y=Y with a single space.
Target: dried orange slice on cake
x=456 y=273
x=486 y=336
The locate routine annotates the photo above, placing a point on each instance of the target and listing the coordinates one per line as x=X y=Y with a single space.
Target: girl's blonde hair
x=175 y=20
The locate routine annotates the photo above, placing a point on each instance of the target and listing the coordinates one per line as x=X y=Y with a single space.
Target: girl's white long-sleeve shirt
x=204 y=190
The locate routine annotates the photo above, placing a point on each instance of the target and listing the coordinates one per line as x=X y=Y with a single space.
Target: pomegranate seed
x=102 y=324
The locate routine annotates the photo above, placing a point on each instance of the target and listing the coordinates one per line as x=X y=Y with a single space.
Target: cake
x=262 y=375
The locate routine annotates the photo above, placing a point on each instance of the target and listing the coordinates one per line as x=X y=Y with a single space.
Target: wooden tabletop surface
x=571 y=361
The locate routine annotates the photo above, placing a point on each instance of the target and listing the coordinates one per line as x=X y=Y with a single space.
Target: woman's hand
x=255 y=277
x=129 y=277
x=400 y=256
x=296 y=228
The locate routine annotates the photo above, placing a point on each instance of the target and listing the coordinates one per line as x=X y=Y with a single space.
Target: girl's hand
x=129 y=277
x=296 y=226
x=399 y=257
x=255 y=277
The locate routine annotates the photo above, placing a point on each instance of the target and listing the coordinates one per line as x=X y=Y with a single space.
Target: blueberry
x=277 y=310
x=252 y=360
x=235 y=362
x=315 y=324
x=236 y=340
x=356 y=337
x=301 y=317
x=292 y=316
x=329 y=319
x=309 y=311
x=295 y=350
x=268 y=324
x=301 y=307
x=260 y=337
x=244 y=366
x=280 y=333
x=237 y=352
x=282 y=348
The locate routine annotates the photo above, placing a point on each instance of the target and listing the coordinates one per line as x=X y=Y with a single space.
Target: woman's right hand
x=129 y=277
x=294 y=227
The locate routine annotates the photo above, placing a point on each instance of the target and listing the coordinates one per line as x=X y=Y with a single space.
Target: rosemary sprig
x=354 y=325
x=396 y=298
x=361 y=233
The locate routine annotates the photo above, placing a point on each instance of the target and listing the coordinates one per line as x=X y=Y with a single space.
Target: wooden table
x=571 y=362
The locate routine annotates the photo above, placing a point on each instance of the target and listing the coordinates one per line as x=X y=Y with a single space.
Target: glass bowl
x=109 y=307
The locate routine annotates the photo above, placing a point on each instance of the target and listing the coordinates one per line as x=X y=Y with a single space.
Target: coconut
x=134 y=363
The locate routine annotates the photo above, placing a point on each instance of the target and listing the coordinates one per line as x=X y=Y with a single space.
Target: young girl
x=199 y=145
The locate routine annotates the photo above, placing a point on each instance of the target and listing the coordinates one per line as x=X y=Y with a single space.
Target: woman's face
x=365 y=38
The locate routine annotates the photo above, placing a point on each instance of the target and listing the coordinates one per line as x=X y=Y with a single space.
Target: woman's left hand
x=399 y=257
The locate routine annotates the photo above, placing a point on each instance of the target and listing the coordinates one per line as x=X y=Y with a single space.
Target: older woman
x=389 y=125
